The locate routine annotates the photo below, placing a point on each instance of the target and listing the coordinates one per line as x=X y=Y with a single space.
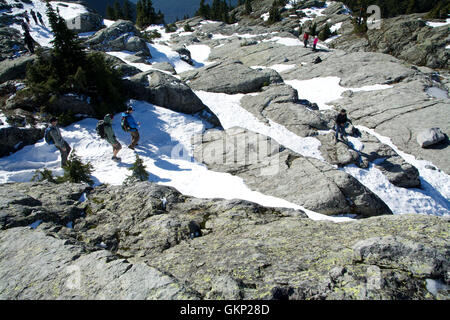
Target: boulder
x=145 y=219
x=14 y=139
x=165 y=91
x=406 y=37
x=165 y=66
x=280 y=104
x=229 y=77
x=185 y=54
x=430 y=137
x=73 y=104
x=15 y=69
x=125 y=69
x=395 y=168
x=11 y=43
x=334 y=8
x=122 y=35
x=337 y=153
x=85 y=22
x=61 y=270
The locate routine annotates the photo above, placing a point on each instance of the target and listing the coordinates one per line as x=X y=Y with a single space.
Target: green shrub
x=274 y=13
x=44 y=175
x=151 y=35
x=171 y=28
x=76 y=171
x=138 y=172
x=67 y=118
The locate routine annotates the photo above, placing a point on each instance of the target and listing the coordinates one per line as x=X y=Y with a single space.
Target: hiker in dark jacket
x=25 y=26
x=111 y=137
x=59 y=142
x=33 y=15
x=132 y=127
x=26 y=16
x=29 y=42
x=39 y=15
x=341 y=121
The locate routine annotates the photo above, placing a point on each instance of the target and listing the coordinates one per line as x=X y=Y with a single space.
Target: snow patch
x=437 y=93
x=226 y=107
x=438 y=24
x=290 y=42
x=327 y=89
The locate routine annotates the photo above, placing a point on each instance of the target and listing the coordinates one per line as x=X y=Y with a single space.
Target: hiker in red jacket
x=305 y=39
x=316 y=40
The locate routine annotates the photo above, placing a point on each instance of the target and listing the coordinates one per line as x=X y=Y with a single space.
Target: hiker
x=341 y=121
x=111 y=137
x=33 y=15
x=130 y=125
x=305 y=39
x=55 y=135
x=25 y=26
x=29 y=42
x=316 y=40
x=27 y=17
x=39 y=15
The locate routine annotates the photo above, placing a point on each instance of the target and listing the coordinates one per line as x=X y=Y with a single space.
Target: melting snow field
x=164 y=147
x=438 y=24
x=432 y=199
x=226 y=107
x=327 y=89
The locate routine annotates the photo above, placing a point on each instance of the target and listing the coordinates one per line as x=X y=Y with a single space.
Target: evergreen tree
x=76 y=171
x=110 y=14
x=44 y=175
x=67 y=52
x=68 y=69
x=313 y=29
x=274 y=13
x=215 y=10
x=187 y=27
x=248 y=7
x=203 y=10
x=118 y=13
x=138 y=172
x=146 y=15
x=127 y=11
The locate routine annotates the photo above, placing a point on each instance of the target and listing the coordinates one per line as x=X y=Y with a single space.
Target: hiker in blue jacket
x=130 y=125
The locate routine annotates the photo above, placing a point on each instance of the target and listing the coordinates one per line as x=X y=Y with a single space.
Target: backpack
x=124 y=124
x=195 y=230
x=100 y=128
x=48 y=138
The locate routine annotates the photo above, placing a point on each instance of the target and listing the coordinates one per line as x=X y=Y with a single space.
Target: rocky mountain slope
x=126 y=243
x=249 y=195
